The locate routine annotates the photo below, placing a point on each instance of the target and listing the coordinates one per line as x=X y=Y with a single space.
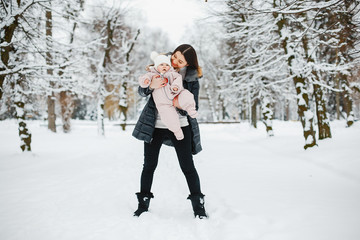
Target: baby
x=163 y=97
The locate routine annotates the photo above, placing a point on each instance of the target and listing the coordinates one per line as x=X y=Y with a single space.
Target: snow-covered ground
x=80 y=186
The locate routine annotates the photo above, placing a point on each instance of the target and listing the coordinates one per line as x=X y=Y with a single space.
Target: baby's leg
x=187 y=103
x=170 y=118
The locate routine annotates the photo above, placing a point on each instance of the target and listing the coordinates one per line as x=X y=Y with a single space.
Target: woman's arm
x=144 y=92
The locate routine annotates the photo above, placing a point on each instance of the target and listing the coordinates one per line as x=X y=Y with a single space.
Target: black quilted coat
x=145 y=126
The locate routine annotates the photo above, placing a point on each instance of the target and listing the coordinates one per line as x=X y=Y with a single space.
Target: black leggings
x=183 y=152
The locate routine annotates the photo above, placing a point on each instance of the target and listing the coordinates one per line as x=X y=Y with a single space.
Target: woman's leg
x=183 y=151
x=151 y=155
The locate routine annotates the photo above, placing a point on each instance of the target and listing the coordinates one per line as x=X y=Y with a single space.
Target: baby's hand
x=175 y=89
x=146 y=81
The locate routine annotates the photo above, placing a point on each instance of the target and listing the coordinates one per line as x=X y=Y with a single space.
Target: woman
x=154 y=133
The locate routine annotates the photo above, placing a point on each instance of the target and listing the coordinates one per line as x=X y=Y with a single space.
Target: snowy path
x=81 y=186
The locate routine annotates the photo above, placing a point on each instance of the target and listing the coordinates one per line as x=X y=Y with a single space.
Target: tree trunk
x=287 y=110
x=347 y=42
x=51 y=112
x=243 y=110
x=304 y=112
x=24 y=133
x=337 y=98
x=103 y=80
x=6 y=48
x=268 y=116
x=100 y=116
x=66 y=98
x=51 y=98
x=67 y=109
x=123 y=105
x=19 y=101
x=6 y=38
x=220 y=108
x=348 y=103
x=224 y=114
x=323 y=120
x=254 y=114
x=210 y=100
x=123 y=102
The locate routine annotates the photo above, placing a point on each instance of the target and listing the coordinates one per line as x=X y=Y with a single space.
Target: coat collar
x=191 y=75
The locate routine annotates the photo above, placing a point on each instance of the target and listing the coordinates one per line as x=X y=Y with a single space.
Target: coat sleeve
x=195 y=90
x=144 y=92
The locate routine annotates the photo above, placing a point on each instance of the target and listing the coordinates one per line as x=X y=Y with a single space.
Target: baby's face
x=163 y=68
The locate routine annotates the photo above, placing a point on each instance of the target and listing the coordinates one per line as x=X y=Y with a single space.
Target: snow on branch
x=297 y=7
x=11 y=17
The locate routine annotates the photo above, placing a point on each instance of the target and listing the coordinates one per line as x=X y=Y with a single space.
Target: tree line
x=58 y=56
x=279 y=55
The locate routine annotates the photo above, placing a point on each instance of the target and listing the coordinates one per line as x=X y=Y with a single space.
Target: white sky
x=172 y=16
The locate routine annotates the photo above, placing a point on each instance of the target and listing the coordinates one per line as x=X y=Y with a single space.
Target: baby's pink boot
x=179 y=135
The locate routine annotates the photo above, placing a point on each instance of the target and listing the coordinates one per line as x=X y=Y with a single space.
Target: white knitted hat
x=159 y=58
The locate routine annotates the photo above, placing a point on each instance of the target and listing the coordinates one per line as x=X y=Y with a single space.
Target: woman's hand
x=157 y=82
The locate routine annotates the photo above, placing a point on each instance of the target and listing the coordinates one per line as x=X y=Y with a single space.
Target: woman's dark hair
x=190 y=56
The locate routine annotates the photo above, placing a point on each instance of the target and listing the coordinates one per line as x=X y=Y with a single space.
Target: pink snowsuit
x=163 y=98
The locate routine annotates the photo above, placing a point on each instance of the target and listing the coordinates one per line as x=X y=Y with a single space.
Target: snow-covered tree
x=337 y=46
x=71 y=21
x=110 y=60
x=256 y=65
x=275 y=43
x=16 y=36
x=35 y=56
x=49 y=51
x=315 y=30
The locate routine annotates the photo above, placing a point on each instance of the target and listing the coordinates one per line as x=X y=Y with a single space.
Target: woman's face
x=178 y=60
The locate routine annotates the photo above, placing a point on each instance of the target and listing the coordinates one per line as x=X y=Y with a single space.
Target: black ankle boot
x=144 y=202
x=197 y=201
